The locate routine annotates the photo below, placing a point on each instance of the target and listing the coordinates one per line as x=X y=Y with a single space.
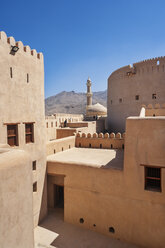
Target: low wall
x=87 y=127
x=104 y=141
x=65 y=132
x=59 y=145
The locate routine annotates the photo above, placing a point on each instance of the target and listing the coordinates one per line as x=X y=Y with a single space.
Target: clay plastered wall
x=100 y=125
x=77 y=124
x=16 y=208
x=149 y=144
x=155 y=110
x=69 y=117
x=51 y=133
x=89 y=127
x=144 y=79
x=60 y=145
x=112 y=201
x=65 y=132
x=104 y=141
x=110 y=198
x=22 y=101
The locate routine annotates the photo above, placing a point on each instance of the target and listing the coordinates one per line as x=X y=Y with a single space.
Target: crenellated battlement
x=11 y=41
x=154 y=106
x=154 y=109
x=152 y=61
x=140 y=68
x=103 y=141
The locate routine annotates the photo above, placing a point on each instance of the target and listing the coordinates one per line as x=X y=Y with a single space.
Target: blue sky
x=81 y=38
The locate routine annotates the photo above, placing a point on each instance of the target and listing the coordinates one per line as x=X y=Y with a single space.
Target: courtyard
x=55 y=233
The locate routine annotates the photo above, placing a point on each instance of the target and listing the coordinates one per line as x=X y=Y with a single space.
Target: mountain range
x=72 y=102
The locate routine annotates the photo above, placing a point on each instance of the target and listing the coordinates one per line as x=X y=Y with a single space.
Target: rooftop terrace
x=97 y=158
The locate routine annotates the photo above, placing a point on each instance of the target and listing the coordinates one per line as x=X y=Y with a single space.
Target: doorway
x=58 y=196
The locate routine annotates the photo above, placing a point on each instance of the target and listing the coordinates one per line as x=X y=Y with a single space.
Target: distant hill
x=72 y=102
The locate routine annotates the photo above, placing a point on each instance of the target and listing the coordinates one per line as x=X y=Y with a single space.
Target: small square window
x=153 y=179
x=35 y=187
x=120 y=100
x=153 y=96
x=111 y=101
x=137 y=97
x=34 y=165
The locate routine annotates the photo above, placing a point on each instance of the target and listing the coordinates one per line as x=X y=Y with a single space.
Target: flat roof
x=98 y=158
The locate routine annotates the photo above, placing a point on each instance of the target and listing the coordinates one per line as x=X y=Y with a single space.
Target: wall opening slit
x=11 y=72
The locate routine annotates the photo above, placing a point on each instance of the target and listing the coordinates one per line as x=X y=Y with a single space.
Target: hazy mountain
x=72 y=102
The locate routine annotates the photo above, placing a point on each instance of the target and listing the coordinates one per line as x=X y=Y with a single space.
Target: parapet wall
x=154 y=109
x=102 y=141
x=65 y=132
x=77 y=124
x=24 y=49
x=60 y=145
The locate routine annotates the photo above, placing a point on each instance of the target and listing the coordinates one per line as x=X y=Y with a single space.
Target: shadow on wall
x=43 y=205
x=117 y=162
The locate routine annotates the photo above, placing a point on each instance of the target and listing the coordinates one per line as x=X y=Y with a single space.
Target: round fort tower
x=130 y=87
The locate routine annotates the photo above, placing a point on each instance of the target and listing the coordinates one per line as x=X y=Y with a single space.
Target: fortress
x=107 y=178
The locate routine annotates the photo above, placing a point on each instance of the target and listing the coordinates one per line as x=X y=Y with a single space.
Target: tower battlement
x=25 y=49
x=140 y=68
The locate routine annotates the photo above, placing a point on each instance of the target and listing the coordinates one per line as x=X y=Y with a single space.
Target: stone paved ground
x=55 y=233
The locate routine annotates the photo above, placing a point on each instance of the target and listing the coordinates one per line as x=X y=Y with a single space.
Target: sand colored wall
x=83 y=127
x=56 y=121
x=65 y=132
x=59 y=145
x=100 y=125
x=51 y=133
x=104 y=141
x=86 y=126
x=77 y=124
x=144 y=79
x=22 y=101
x=16 y=208
x=155 y=110
x=116 y=198
x=70 y=117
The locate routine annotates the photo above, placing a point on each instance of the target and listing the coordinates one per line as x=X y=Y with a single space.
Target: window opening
x=12 y=134
x=35 y=187
x=34 y=165
x=153 y=179
x=29 y=132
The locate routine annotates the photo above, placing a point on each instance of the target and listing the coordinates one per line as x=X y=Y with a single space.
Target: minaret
x=89 y=92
